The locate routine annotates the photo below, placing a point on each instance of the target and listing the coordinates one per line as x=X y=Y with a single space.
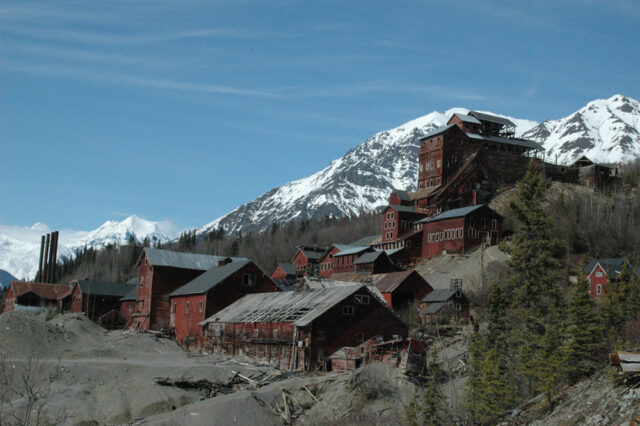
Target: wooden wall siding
x=412 y=290
x=595 y=280
x=126 y=309
x=187 y=328
x=328 y=263
x=164 y=281
x=76 y=300
x=471 y=236
x=152 y=307
x=279 y=273
x=448 y=312
x=10 y=300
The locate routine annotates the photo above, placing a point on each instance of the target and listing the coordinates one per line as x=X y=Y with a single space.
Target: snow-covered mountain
x=358 y=182
x=20 y=246
x=605 y=130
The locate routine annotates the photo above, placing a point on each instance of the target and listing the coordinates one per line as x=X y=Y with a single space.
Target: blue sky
x=182 y=110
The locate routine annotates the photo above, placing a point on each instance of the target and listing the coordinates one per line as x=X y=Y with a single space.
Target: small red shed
x=600 y=272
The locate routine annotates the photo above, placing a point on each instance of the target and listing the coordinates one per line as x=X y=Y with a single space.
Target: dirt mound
x=22 y=333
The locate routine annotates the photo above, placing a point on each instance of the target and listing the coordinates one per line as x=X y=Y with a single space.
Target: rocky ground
x=86 y=375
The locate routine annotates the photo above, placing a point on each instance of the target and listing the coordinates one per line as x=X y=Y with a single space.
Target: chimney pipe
x=39 y=276
x=45 y=263
x=54 y=257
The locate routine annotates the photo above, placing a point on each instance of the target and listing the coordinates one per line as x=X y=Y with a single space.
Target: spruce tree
x=534 y=285
x=585 y=332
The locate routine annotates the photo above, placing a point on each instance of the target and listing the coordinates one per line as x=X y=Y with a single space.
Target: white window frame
x=274 y=333
x=186 y=307
x=598 y=289
x=348 y=310
x=599 y=274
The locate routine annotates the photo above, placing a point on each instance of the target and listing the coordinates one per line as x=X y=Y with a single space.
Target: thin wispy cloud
x=118 y=39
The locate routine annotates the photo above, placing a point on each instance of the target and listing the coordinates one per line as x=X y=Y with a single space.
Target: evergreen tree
x=428 y=408
x=490 y=390
x=584 y=332
x=534 y=285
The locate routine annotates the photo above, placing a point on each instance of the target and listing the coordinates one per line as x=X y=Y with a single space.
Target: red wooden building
x=99 y=300
x=375 y=262
x=37 y=297
x=328 y=262
x=402 y=289
x=345 y=260
x=307 y=260
x=299 y=330
x=602 y=272
x=284 y=271
x=128 y=301
x=212 y=291
x=459 y=230
x=159 y=273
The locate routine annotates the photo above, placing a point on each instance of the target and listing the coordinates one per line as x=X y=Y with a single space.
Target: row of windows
x=390 y=215
x=174 y=308
x=390 y=225
x=430 y=182
x=388 y=235
x=446 y=235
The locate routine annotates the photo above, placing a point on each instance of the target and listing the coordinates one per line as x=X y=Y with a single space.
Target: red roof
x=45 y=291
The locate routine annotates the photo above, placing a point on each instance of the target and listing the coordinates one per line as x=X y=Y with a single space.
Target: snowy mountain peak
x=605 y=130
x=20 y=246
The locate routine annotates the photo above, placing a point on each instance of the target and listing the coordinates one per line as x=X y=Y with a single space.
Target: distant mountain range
x=5 y=278
x=606 y=130
x=20 y=246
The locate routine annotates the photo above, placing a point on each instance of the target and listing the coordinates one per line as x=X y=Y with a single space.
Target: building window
x=459 y=294
x=458 y=306
x=599 y=274
x=483 y=223
x=438 y=165
x=256 y=333
x=361 y=299
x=360 y=338
x=429 y=238
x=472 y=222
x=174 y=308
x=201 y=305
x=494 y=224
x=186 y=308
x=347 y=310
x=275 y=333
x=599 y=289
x=131 y=310
x=249 y=279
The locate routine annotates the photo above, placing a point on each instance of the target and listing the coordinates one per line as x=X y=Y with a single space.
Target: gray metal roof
x=437 y=131
x=365 y=241
x=131 y=294
x=133 y=280
x=402 y=208
x=403 y=195
x=176 y=259
x=510 y=141
x=467 y=118
x=102 y=288
x=301 y=307
x=288 y=268
x=612 y=267
x=434 y=308
x=369 y=257
x=450 y=214
x=492 y=118
x=315 y=253
x=352 y=250
x=210 y=279
x=440 y=295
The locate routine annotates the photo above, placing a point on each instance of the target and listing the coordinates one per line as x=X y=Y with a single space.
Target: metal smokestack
x=45 y=263
x=54 y=257
x=39 y=276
